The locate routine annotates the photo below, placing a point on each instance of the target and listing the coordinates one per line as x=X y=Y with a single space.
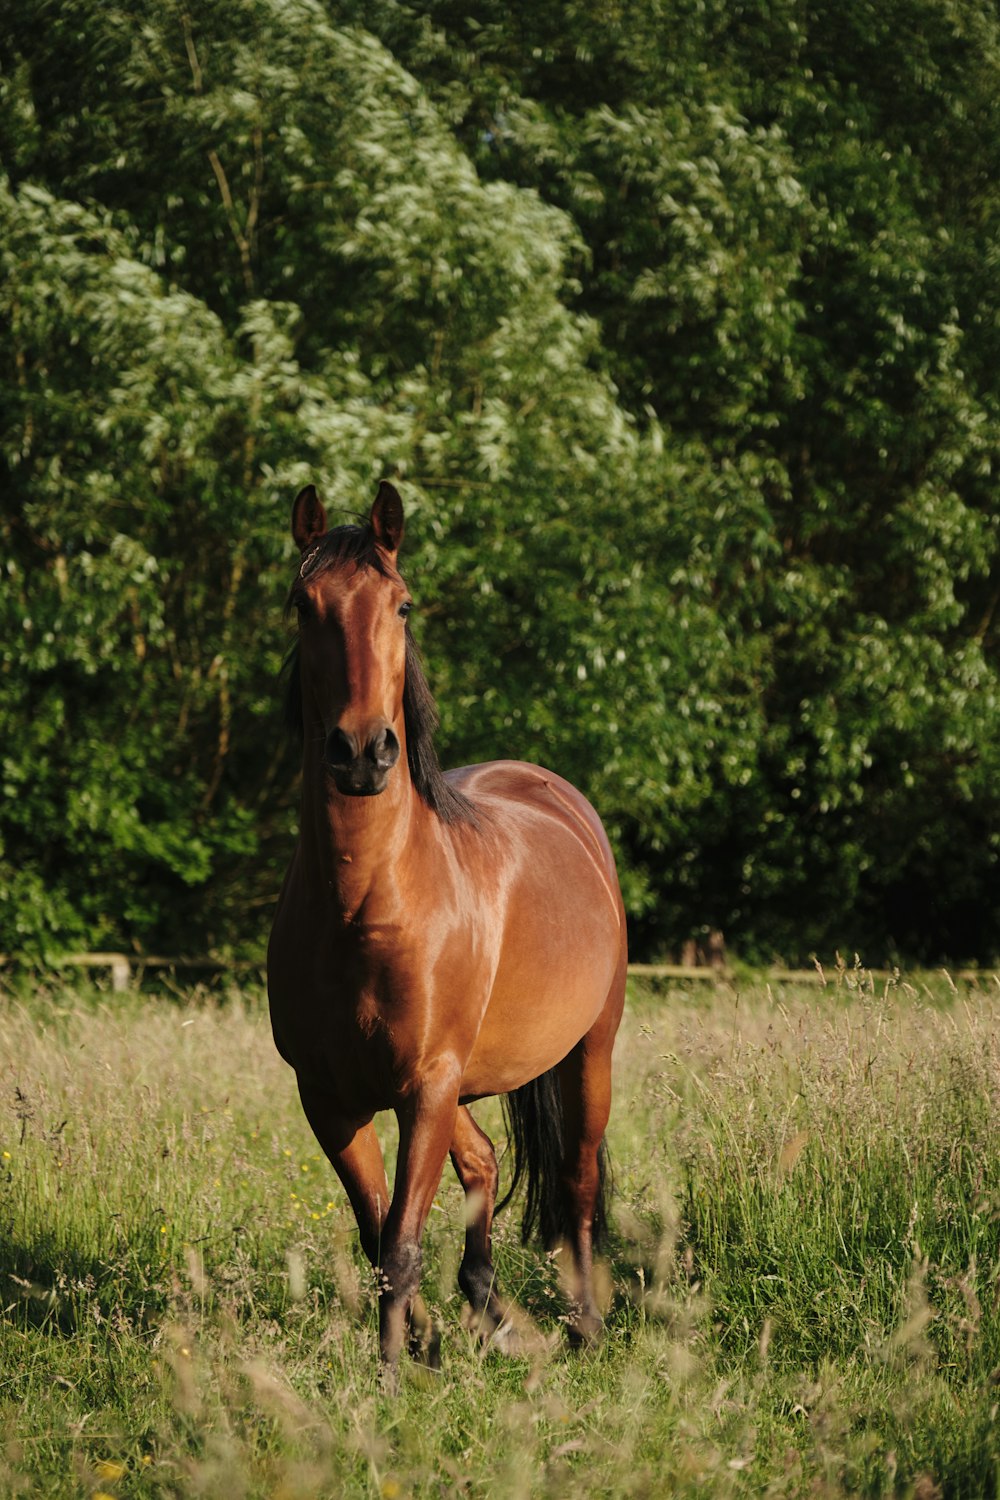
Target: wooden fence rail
x=125 y=968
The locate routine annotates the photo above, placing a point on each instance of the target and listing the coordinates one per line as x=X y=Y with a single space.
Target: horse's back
x=502 y=787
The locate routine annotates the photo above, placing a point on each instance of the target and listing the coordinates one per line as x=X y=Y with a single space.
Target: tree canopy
x=676 y=325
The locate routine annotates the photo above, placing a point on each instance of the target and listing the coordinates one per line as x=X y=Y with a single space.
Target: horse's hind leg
x=475 y=1164
x=585 y=1084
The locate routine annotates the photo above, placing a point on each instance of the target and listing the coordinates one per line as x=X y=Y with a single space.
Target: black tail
x=534 y=1119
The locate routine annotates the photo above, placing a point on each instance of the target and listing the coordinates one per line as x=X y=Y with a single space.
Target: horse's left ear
x=308 y=518
x=387 y=517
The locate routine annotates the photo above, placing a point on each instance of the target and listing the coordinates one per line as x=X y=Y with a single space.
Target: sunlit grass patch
x=802 y=1281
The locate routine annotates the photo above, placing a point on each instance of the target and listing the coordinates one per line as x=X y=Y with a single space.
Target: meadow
x=802 y=1286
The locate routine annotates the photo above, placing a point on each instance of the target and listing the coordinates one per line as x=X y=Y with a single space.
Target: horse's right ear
x=387 y=518
x=308 y=518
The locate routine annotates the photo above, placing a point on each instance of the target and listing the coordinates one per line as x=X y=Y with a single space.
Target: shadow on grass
x=54 y=1288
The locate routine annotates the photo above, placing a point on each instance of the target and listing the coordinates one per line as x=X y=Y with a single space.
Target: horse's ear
x=387 y=517
x=308 y=518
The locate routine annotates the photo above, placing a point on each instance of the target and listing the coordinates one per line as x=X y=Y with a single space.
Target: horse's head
x=352 y=606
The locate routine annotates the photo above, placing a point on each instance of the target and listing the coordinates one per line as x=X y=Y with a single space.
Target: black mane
x=357 y=544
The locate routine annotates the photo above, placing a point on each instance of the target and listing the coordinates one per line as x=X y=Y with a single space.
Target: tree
x=672 y=326
x=788 y=218
x=161 y=414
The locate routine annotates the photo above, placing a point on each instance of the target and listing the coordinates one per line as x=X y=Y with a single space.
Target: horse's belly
x=563 y=931
x=546 y=996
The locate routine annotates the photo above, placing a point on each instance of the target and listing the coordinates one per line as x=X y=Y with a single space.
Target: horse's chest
x=351 y=1029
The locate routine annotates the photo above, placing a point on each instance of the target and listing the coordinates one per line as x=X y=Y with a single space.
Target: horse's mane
x=357 y=544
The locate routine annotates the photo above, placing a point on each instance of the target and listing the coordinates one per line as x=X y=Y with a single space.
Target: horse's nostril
x=341 y=748
x=383 y=749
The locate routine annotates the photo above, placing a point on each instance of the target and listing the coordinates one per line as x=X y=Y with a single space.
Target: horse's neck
x=351 y=848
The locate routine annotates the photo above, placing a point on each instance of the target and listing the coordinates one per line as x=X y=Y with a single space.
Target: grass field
x=803 y=1293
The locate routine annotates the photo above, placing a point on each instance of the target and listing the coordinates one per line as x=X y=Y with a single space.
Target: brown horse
x=438 y=938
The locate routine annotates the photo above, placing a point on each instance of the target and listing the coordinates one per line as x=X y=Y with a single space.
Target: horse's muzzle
x=361 y=769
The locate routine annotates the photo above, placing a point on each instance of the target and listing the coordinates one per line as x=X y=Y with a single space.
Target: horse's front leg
x=353 y=1148
x=356 y=1155
x=426 y=1123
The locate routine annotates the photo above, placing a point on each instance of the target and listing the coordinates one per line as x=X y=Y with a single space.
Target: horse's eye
x=303 y=607
x=404 y=609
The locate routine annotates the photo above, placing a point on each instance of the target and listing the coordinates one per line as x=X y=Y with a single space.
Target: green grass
x=804 y=1286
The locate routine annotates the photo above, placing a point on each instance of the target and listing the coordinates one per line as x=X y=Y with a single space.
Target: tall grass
x=803 y=1287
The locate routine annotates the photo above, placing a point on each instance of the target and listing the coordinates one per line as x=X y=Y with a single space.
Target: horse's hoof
x=505 y=1339
x=425 y=1349
x=491 y=1329
x=388 y=1379
x=585 y=1332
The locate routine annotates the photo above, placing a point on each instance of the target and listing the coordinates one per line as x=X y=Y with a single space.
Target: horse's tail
x=534 y=1119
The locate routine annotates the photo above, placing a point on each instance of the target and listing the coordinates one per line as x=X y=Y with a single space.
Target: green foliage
x=675 y=323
